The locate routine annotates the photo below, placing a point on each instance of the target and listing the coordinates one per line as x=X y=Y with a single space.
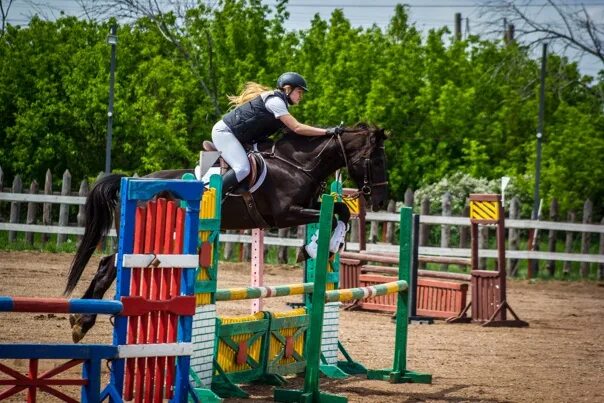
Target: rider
x=259 y=112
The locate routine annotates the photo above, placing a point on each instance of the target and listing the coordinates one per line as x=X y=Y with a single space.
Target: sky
x=425 y=14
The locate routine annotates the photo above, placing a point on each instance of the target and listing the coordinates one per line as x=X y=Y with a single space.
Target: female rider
x=258 y=113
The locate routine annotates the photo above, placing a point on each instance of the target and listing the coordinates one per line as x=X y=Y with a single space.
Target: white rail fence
x=63 y=227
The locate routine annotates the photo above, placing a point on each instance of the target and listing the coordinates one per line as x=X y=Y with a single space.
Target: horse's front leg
x=106 y=273
x=339 y=226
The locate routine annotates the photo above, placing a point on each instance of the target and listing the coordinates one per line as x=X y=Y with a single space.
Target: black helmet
x=293 y=79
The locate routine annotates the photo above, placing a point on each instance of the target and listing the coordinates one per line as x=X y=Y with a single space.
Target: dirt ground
x=559 y=358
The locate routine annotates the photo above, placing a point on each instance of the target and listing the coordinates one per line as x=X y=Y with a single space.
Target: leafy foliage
x=454 y=109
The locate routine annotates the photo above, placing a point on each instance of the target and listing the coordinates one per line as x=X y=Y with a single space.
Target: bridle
x=367 y=186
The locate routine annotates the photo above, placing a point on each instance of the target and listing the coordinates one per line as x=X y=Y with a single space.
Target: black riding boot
x=229 y=181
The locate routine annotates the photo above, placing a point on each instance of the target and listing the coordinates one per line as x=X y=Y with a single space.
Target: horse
x=297 y=171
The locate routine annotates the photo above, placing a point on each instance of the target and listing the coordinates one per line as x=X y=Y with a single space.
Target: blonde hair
x=250 y=91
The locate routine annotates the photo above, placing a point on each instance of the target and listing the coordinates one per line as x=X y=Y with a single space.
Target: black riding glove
x=334 y=131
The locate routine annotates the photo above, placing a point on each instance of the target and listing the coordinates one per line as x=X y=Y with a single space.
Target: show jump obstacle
x=167 y=269
x=441 y=294
x=266 y=346
x=149 y=358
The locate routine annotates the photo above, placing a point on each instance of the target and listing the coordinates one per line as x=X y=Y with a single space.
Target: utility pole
x=509 y=34
x=111 y=40
x=457 y=26
x=540 y=132
x=533 y=265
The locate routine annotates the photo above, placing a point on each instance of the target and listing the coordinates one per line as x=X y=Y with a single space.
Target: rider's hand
x=334 y=131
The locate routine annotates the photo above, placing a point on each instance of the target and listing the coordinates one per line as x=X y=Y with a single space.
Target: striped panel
x=206 y=211
x=365 y=292
x=233 y=294
x=59 y=305
x=352 y=203
x=275 y=346
x=484 y=210
x=226 y=356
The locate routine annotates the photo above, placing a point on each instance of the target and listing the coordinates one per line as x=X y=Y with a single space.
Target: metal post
x=112 y=40
x=540 y=132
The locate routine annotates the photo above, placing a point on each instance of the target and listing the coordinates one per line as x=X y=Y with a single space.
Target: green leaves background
x=451 y=107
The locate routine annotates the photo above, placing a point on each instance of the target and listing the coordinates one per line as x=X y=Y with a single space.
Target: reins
x=367 y=186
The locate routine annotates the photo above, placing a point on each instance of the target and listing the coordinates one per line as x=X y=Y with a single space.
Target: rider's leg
x=229 y=181
x=233 y=153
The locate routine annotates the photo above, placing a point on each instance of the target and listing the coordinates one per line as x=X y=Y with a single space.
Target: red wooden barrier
x=435 y=298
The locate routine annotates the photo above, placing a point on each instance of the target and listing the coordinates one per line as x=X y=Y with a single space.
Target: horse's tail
x=98 y=210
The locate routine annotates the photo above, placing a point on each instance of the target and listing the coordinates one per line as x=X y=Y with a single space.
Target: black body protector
x=252 y=121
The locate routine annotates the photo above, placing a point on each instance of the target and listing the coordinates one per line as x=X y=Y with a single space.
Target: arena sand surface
x=559 y=358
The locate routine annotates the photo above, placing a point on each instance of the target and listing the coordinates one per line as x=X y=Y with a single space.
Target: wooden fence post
x=354 y=232
x=586 y=236
x=568 y=244
x=246 y=248
x=483 y=243
x=301 y=234
x=282 y=250
x=409 y=201
x=551 y=242
x=47 y=207
x=389 y=226
x=601 y=252
x=31 y=212
x=445 y=230
x=424 y=229
x=1 y=189
x=373 y=232
x=64 y=208
x=464 y=230
x=409 y=198
x=227 y=252
x=513 y=237
x=81 y=217
x=15 y=207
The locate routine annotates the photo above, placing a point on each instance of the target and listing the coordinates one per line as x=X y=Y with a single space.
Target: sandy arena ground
x=559 y=358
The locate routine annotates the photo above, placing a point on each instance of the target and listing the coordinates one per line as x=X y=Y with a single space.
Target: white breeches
x=232 y=150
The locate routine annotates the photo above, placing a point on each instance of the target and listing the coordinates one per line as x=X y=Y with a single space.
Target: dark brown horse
x=298 y=168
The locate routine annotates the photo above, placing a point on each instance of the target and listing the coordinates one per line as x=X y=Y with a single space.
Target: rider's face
x=296 y=95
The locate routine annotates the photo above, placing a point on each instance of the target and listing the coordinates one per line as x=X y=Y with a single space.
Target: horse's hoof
x=73 y=319
x=76 y=334
x=302 y=255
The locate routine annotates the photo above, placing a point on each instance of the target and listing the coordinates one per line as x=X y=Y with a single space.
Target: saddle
x=257 y=166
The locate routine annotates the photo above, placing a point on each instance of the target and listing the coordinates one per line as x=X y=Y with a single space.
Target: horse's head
x=366 y=162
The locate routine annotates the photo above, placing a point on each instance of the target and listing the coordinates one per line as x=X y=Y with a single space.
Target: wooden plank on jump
x=160 y=260
x=155 y=350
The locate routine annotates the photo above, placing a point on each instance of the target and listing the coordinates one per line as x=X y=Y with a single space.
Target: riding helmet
x=293 y=79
